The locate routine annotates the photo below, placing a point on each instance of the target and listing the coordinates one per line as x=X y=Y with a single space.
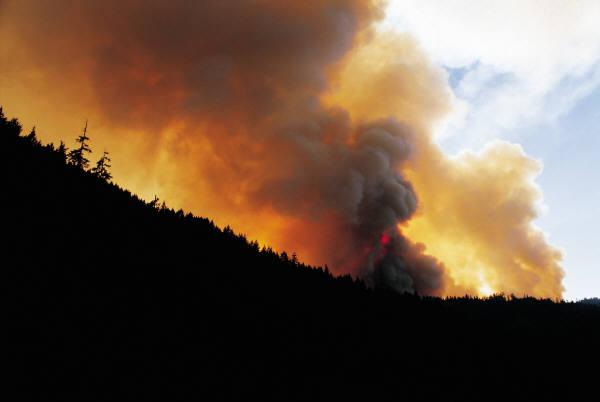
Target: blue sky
x=526 y=72
x=569 y=148
x=570 y=151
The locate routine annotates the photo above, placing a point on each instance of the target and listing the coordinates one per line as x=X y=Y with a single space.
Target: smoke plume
x=295 y=122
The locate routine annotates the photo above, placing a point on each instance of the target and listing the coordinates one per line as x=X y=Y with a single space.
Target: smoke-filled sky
x=402 y=142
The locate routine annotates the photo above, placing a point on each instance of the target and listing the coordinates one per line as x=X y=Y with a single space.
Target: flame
x=384 y=239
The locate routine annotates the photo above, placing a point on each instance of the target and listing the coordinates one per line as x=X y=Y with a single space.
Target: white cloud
x=527 y=62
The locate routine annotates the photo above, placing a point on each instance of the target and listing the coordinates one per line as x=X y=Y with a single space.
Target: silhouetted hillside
x=593 y=300
x=110 y=296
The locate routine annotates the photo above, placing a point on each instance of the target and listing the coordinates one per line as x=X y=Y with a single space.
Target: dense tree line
x=111 y=296
x=593 y=300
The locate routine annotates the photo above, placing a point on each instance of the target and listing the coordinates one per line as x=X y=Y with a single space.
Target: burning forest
x=302 y=124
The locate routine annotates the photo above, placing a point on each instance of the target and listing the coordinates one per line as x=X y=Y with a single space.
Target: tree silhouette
x=62 y=151
x=154 y=203
x=102 y=167
x=31 y=137
x=76 y=157
x=11 y=127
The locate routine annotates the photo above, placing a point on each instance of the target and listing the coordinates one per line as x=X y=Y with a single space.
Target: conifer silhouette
x=12 y=127
x=102 y=167
x=154 y=202
x=76 y=157
x=31 y=137
x=62 y=151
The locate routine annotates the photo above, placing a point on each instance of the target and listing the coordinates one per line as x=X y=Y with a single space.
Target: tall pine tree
x=102 y=167
x=76 y=157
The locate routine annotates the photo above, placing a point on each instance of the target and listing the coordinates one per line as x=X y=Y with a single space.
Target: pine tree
x=31 y=137
x=62 y=151
x=76 y=157
x=154 y=203
x=11 y=128
x=102 y=167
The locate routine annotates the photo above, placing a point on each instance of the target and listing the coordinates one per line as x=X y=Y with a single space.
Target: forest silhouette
x=114 y=297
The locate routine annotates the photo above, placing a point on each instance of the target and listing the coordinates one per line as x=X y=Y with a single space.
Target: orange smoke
x=488 y=239
x=296 y=123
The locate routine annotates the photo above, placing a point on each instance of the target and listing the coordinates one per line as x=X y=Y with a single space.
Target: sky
x=527 y=72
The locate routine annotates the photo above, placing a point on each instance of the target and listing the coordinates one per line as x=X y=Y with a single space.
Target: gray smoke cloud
x=353 y=179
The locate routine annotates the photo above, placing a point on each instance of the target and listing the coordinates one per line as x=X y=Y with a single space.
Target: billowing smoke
x=475 y=210
x=295 y=122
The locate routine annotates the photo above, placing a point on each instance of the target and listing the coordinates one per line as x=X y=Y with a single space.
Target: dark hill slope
x=112 y=297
